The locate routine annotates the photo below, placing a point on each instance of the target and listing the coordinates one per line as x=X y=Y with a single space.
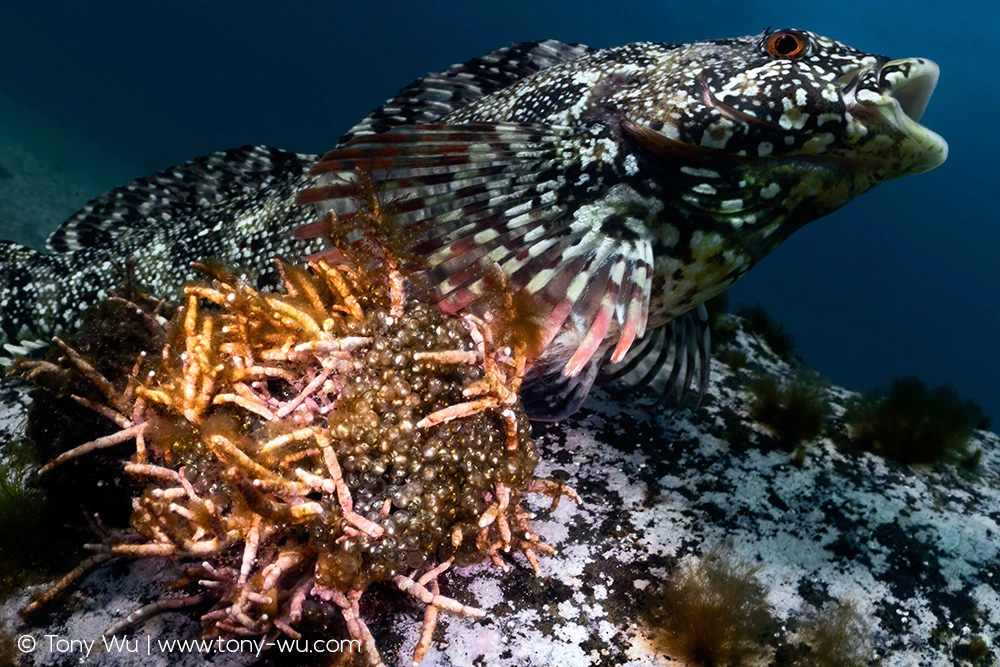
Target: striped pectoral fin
x=448 y=175
x=670 y=359
x=595 y=292
x=595 y=312
x=615 y=293
x=486 y=194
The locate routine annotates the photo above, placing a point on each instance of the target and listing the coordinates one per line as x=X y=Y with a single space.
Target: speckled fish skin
x=628 y=185
x=623 y=187
x=239 y=210
x=782 y=141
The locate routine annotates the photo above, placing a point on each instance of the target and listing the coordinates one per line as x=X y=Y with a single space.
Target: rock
x=914 y=547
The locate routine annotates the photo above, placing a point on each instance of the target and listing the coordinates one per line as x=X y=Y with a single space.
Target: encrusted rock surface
x=916 y=548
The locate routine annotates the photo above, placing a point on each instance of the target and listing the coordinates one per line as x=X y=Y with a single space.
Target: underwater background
x=900 y=282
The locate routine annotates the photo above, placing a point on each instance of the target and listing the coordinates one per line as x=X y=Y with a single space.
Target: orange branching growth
x=313 y=442
x=374 y=244
x=517 y=317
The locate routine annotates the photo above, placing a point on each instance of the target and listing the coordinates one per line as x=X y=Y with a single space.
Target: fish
x=620 y=188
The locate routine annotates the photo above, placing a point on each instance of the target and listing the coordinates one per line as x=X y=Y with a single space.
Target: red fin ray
x=603 y=311
x=465 y=268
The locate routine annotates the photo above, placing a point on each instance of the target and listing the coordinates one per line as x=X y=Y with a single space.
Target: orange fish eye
x=786 y=44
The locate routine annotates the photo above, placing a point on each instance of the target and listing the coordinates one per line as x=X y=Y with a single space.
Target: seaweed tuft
x=712 y=612
x=8 y=648
x=796 y=412
x=722 y=326
x=912 y=424
x=835 y=636
x=735 y=430
x=733 y=357
x=975 y=651
x=21 y=508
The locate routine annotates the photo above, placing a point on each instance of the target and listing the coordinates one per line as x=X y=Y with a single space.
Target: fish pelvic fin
x=673 y=360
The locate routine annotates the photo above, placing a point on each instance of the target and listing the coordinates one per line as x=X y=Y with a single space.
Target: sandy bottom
x=47 y=172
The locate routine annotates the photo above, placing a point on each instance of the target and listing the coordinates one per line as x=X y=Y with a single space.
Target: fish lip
x=912 y=91
x=905 y=88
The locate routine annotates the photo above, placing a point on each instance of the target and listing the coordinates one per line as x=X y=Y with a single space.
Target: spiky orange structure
x=316 y=441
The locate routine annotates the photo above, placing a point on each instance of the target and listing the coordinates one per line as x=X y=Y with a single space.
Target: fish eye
x=786 y=44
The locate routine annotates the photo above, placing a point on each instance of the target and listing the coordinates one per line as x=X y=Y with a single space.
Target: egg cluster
x=313 y=442
x=416 y=484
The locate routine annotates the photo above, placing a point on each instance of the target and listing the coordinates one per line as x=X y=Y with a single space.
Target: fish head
x=807 y=122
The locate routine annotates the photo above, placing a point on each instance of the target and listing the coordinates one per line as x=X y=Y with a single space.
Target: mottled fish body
x=620 y=187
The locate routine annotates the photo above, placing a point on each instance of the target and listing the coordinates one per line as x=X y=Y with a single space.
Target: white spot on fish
x=868 y=96
x=631 y=165
x=770 y=191
x=699 y=171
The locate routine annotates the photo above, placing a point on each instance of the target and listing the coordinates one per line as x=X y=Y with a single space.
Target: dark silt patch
x=4 y=172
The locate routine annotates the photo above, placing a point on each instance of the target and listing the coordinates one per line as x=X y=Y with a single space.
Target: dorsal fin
x=173 y=193
x=428 y=99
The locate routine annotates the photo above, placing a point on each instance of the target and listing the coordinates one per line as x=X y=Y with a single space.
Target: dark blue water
x=902 y=281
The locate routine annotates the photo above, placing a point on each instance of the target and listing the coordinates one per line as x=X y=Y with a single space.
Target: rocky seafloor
x=915 y=548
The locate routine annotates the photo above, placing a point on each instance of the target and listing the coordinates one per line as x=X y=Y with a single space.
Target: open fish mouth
x=905 y=88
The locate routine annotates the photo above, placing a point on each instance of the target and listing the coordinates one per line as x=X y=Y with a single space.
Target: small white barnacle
x=764 y=148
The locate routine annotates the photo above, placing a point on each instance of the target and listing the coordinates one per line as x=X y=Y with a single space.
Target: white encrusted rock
x=915 y=548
